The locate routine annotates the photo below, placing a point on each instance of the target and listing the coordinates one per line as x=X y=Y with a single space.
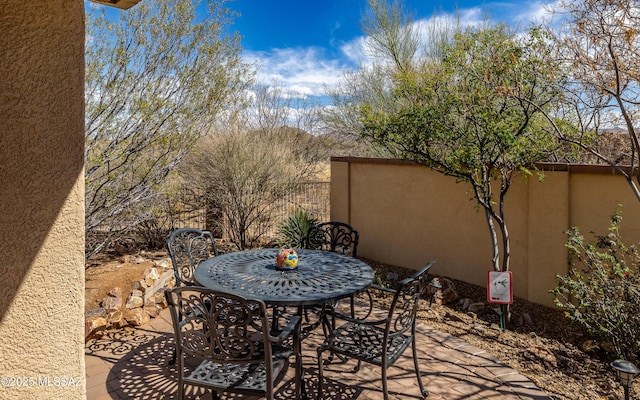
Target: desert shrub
x=292 y=232
x=601 y=290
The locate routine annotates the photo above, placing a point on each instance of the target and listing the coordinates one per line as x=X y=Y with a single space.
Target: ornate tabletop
x=321 y=276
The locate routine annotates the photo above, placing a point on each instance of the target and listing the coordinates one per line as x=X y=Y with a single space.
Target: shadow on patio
x=133 y=364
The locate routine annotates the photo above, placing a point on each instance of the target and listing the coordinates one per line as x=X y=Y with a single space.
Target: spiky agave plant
x=292 y=232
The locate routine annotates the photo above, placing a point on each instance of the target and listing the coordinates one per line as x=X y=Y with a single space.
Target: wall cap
x=543 y=166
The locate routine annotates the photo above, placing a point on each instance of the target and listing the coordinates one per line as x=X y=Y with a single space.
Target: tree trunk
x=494 y=239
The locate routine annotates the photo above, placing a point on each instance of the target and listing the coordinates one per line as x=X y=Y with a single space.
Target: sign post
x=500 y=291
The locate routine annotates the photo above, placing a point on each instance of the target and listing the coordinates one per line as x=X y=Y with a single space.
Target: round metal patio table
x=321 y=276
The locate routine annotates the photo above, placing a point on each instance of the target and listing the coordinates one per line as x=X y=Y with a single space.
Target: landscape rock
x=160 y=299
x=527 y=319
x=476 y=307
x=91 y=325
x=96 y=312
x=115 y=319
x=146 y=300
x=115 y=292
x=125 y=246
x=151 y=276
x=445 y=293
x=136 y=317
x=164 y=263
x=139 y=285
x=134 y=302
x=132 y=259
x=153 y=310
x=111 y=303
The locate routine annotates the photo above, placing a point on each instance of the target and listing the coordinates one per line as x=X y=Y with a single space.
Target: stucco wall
x=408 y=214
x=42 y=200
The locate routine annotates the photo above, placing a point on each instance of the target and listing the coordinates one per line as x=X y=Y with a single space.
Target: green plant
x=603 y=295
x=292 y=232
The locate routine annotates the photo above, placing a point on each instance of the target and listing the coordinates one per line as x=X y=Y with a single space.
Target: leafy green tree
x=469 y=107
x=157 y=76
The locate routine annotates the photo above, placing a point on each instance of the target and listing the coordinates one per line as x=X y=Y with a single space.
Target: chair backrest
x=219 y=327
x=403 y=309
x=334 y=236
x=188 y=247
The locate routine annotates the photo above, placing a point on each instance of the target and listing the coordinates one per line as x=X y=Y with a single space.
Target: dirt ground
x=539 y=342
x=107 y=271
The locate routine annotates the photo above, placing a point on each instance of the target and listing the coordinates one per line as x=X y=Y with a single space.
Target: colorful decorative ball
x=287 y=259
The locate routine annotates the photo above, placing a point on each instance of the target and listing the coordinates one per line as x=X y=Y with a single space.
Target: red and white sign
x=499 y=287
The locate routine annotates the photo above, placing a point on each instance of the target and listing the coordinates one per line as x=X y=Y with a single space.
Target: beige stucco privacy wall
x=408 y=214
x=42 y=200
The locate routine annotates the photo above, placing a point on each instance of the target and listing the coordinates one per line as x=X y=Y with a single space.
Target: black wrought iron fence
x=190 y=209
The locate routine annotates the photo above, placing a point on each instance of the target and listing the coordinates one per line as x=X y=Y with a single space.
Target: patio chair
x=223 y=343
x=380 y=342
x=335 y=236
x=188 y=247
x=339 y=237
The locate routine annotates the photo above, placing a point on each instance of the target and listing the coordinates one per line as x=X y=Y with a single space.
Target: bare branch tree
x=256 y=160
x=156 y=78
x=599 y=42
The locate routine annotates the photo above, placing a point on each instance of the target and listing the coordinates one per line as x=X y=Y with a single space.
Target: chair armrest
x=382 y=289
x=293 y=324
x=347 y=318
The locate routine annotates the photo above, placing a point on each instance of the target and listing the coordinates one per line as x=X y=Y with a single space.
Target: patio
x=132 y=364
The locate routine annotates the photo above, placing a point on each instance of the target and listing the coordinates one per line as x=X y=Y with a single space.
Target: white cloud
x=308 y=71
x=302 y=70
x=535 y=12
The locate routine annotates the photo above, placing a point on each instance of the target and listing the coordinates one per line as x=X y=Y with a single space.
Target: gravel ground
x=539 y=342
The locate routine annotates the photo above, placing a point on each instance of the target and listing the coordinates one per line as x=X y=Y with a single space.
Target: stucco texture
x=42 y=201
x=408 y=215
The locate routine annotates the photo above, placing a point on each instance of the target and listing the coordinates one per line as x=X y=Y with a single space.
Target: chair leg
x=385 y=388
x=357 y=367
x=180 y=383
x=274 y=319
x=172 y=361
x=424 y=391
x=320 y=377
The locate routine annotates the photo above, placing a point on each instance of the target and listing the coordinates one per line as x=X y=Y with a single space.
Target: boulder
x=111 y=303
x=152 y=310
x=115 y=319
x=445 y=290
x=115 y=292
x=151 y=275
x=93 y=324
x=95 y=320
x=136 y=317
x=164 y=263
x=134 y=302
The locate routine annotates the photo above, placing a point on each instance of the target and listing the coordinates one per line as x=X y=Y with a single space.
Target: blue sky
x=306 y=44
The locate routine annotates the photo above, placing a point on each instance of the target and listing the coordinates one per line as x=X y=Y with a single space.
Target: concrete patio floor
x=132 y=364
